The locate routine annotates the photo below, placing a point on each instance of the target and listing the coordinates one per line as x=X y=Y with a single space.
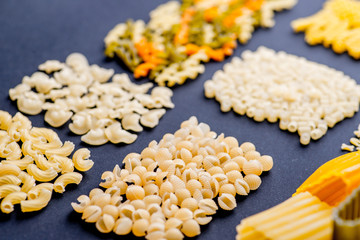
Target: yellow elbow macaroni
x=30 y=173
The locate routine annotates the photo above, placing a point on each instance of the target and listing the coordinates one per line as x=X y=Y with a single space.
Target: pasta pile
x=82 y=93
x=170 y=48
x=354 y=141
x=346 y=218
x=308 y=213
x=298 y=218
x=30 y=159
x=306 y=97
x=170 y=188
x=337 y=25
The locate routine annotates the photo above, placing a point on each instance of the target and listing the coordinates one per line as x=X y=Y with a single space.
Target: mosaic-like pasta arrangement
x=306 y=97
x=178 y=37
x=84 y=94
x=336 y=25
x=34 y=162
x=171 y=187
x=308 y=213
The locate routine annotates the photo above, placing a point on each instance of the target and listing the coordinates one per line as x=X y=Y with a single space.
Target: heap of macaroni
x=171 y=187
x=309 y=213
x=30 y=159
x=306 y=97
x=83 y=94
x=171 y=47
x=337 y=25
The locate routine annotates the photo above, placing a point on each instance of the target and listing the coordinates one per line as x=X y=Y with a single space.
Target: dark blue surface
x=32 y=32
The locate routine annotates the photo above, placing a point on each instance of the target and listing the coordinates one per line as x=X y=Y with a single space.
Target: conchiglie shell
x=252 y=167
x=91 y=213
x=240 y=161
x=169 y=209
x=185 y=155
x=145 y=162
x=152 y=199
x=201 y=217
x=139 y=227
x=174 y=234
x=191 y=228
x=101 y=200
x=138 y=204
x=105 y=223
x=242 y=188
x=233 y=175
x=182 y=194
x=177 y=182
x=139 y=170
x=171 y=196
x=166 y=187
x=133 y=178
x=227 y=188
x=116 y=201
x=183 y=214
x=148 y=153
x=210 y=161
x=140 y=214
x=164 y=165
x=121 y=185
x=231 y=142
x=223 y=157
x=235 y=152
x=198 y=160
x=123 y=226
x=179 y=163
x=208 y=205
x=134 y=192
x=148 y=177
x=160 y=177
x=267 y=162
x=254 y=181
x=252 y=155
x=227 y=201
x=189 y=203
x=126 y=210
x=172 y=223
x=188 y=174
x=215 y=170
x=221 y=178
x=192 y=185
x=230 y=166
x=184 y=144
x=113 y=191
x=163 y=154
x=207 y=193
x=84 y=201
x=95 y=191
x=153 y=208
x=155 y=235
x=157 y=224
x=247 y=146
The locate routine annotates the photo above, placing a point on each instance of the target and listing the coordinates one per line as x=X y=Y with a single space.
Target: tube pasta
x=7 y=204
x=6 y=189
x=67 y=178
x=170 y=188
x=34 y=192
x=81 y=160
x=41 y=175
x=38 y=203
x=21 y=163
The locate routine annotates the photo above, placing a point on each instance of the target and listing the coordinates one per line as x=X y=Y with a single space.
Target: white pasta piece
x=117 y=135
x=7 y=204
x=64 y=150
x=151 y=118
x=43 y=84
x=51 y=66
x=38 y=203
x=95 y=137
x=77 y=62
x=101 y=74
x=65 y=164
x=131 y=122
x=18 y=91
x=65 y=179
x=84 y=201
x=30 y=103
x=81 y=160
x=81 y=123
x=57 y=118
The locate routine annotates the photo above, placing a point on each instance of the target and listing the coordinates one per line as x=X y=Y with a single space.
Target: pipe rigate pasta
x=303 y=103
x=171 y=47
x=27 y=173
x=171 y=187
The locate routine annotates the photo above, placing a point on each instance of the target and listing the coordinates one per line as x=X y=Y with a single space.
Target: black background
x=32 y=32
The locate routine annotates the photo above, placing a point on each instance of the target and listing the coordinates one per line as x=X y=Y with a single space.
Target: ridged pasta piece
x=81 y=160
x=38 y=203
x=21 y=163
x=41 y=175
x=7 y=204
x=9 y=169
x=335 y=179
x=6 y=189
x=300 y=217
x=67 y=178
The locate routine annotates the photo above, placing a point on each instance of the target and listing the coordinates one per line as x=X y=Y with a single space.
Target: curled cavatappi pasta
x=174 y=186
x=27 y=172
x=100 y=109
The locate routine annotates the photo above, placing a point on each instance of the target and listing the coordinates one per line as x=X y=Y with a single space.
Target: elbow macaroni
x=27 y=173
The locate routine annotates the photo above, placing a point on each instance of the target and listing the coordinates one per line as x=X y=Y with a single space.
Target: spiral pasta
x=27 y=173
x=171 y=187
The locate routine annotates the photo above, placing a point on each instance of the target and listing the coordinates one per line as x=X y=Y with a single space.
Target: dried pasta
x=171 y=187
x=305 y=97
x=354 y=142
x=336 y=25
x=30 y=173
x=77 y=92
x=180 y=36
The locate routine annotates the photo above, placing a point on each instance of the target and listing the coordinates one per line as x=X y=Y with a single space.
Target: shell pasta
x=30 y=173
